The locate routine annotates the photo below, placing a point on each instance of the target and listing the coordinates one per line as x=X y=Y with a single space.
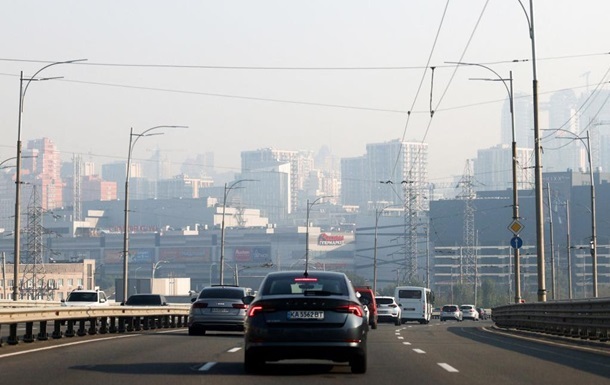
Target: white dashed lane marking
x=419 y=351
x=406 y=343
x=448 y=367
x=234 y=350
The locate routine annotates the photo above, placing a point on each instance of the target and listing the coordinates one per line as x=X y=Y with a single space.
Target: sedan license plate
x=219 y=310
x=305 y=314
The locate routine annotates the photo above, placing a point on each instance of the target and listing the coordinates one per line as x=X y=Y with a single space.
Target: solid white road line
x=68 y=344
x=448 y=367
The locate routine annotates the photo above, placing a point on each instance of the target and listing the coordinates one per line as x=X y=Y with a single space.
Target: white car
x=388 y=309
x=86 y=298
x=469 y=312
x=451 y=312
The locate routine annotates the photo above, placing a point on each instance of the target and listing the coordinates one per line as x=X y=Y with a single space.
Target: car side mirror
x=193 y=299
x=63 y=300
x=248 y=299
x=365 y=301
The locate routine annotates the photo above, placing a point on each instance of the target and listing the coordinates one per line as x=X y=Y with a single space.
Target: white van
x=415 y=303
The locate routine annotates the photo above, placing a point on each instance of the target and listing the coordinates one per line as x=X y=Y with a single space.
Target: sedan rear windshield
x=222 y=292
x=450 y=308
x=291 y=285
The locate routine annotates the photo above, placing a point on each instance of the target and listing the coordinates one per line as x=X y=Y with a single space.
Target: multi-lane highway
x=438 y=353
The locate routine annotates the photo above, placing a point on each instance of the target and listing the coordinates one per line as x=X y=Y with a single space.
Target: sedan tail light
x=200 y=305
x=353 y=309
x=254 y=310
x=240 y=306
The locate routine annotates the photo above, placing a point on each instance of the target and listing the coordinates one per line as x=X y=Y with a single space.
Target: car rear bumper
x=216 y=324
x=276 y=351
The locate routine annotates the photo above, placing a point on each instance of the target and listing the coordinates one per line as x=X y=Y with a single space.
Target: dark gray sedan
x=305 y=316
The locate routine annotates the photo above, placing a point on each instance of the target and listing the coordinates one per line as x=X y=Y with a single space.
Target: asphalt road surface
x=438 y=353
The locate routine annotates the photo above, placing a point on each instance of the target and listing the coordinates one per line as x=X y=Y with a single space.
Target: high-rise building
x=389 y=172
x=93 y=188
x=561 y=149
x=181 y=186
x=354 y=188
x=301 y=163
x=201 y=166
x=493 y=168
x=115 y=172
x=41 y=166
x=323 y=183
x=595 y=118
x=524 y=121
x=270 y=190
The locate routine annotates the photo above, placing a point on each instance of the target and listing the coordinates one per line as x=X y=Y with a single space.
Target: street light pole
x=132 y=143
x=309 y=205
x=538 y=162
x=593 y=244
x=222 y=226
x=17 y=226
x=593 y=220
x=569 y=249
x=509 y=89
x=156 y=265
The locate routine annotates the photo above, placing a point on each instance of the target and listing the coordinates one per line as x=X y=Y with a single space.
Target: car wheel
x=374 y=325
x=358 y=363
x=397 y=322
x=253 y=363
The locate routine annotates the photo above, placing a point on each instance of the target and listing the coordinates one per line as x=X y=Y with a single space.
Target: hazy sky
x=288 y=74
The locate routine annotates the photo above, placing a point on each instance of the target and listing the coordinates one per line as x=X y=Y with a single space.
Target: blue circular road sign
x=516 y=242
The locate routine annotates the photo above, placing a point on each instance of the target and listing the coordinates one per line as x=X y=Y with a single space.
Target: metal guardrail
x=584 y=319
x=73 y=321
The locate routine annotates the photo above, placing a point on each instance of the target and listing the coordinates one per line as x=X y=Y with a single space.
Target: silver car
x=451 y=312
x=298 y=315
x=219 y=308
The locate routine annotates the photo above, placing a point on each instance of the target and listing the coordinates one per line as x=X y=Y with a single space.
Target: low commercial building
x=50 y=281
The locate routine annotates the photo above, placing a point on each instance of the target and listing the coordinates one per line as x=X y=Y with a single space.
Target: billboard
x=252 y=254
x=139 y=255
x=185 y=254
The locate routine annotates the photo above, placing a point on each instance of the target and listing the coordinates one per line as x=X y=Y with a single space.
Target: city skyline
x=296 y=76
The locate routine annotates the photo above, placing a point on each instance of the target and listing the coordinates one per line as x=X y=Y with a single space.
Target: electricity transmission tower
x=34 y=284
x=469 y=250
